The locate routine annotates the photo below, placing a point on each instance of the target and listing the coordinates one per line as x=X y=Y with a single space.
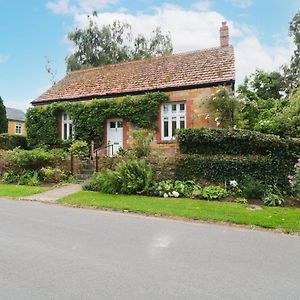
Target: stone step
x=86 y=171
x=83 y=177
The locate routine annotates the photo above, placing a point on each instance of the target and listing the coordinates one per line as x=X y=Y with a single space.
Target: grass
x=287 y=219
x=9 y=190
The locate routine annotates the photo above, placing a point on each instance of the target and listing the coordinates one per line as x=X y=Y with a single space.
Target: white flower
x=166 y=195
x=206 y=116
x=218 y=124
x=233 y=183
x=216 y=119
x=175 y=194
x=170 y=194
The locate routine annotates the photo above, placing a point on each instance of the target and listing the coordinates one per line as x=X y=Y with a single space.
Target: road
x=55 y=252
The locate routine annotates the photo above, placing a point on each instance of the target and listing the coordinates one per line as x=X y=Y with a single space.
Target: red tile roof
x=204 y=67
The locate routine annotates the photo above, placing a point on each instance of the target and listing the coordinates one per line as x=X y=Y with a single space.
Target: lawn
x=9 y=190
x=287 y=219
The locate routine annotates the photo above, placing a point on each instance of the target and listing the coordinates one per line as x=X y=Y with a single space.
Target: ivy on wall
x=89 y=117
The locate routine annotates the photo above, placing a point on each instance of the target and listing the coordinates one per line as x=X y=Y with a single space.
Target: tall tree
x=262 y=85
x=3 y=119
x=113 y=43
x=292 y=72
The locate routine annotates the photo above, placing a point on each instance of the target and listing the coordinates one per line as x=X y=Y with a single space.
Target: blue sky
x=32 y=30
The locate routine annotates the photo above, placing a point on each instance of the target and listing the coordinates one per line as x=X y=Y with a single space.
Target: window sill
x=166 y=141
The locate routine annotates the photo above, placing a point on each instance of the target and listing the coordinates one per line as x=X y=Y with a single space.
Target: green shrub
x=105 y=181
x=24 y=178
x=252 y=188
x=35 y=159
x=214 y=193
x=142 y=139
x=129 y=177
x=272 y=199
x=54 y=175
x=9 y=142
x=241 y=200
x=80 y=148
x=134 y=177
x=11 y=177
x=29 y=178
x=170 y=188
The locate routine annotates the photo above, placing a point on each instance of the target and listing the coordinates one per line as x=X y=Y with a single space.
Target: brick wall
x=11 y=128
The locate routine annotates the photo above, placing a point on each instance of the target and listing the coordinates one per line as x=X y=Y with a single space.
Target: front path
x=55 y=194
x=56 y=252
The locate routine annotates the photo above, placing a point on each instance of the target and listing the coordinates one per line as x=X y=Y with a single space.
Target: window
x=67 y=127
x=173 y=117
x=18 y=128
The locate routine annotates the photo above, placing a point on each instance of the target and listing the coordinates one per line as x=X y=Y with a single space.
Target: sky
x=34 y=31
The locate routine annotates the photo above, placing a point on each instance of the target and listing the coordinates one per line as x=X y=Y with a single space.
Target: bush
x=80 y=148
x=214 y=193
x=25 y=178
x=252 y=188
x=141 y=142
x=35 y=159
x=272 y=199
x=9 y=142
x=54 y=175
x=170 y=188
x=129 y=177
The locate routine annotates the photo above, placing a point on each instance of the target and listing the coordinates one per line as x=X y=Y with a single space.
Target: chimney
x=224 y=35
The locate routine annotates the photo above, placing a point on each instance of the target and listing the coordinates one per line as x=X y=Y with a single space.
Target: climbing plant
x=89 y=117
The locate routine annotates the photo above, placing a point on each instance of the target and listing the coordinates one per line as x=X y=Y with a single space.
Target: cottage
x=16 y=121
x=187 y=78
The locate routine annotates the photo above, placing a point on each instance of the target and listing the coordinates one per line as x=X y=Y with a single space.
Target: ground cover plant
x=268 y=217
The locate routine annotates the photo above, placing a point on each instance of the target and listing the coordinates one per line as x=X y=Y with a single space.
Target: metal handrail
x=95 y=152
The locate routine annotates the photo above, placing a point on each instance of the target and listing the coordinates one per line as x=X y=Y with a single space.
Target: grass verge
x=10 y=190
x=287 y=219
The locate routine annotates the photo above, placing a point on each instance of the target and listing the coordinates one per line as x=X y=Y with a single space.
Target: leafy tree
x=113 y=43
x=263 y=85
x=292 y=72
x=289 y=118
x=3 y=119
x=223 y=107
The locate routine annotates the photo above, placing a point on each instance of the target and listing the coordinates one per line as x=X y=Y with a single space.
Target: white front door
x=114 y=136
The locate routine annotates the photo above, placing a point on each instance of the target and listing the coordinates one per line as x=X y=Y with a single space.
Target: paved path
x=55 y=194
x=55 y=252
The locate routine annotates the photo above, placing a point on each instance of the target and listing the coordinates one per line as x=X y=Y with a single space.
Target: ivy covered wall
x=89 y=117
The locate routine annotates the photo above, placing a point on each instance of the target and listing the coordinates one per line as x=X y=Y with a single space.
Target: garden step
x=86 y=171
x=83 y=177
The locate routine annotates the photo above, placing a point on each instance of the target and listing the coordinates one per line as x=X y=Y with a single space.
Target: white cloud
x=77 y=6
x=241 y=3
x=202 y=5
x=3 y=58
x=193 y=29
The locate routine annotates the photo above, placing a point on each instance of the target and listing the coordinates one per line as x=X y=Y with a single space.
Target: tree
x=292 y=72
x=113 y=43
x=262 y=85
x=3 y=119
x=223 y=107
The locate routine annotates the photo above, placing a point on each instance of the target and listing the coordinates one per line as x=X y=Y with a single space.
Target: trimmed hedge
x=221 y=169
x=9 y=142
x=221 y=155
x=234 y=142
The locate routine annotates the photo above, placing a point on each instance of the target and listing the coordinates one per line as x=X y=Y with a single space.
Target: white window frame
x=66 y=123
x=169 y=114
x=18 y=128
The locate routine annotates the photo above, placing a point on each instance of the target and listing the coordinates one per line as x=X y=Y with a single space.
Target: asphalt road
x=54 y=252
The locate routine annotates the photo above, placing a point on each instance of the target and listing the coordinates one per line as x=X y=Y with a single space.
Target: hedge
x=221 y=155
x=9 y=142
x=221 y=169
x=236 y=142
